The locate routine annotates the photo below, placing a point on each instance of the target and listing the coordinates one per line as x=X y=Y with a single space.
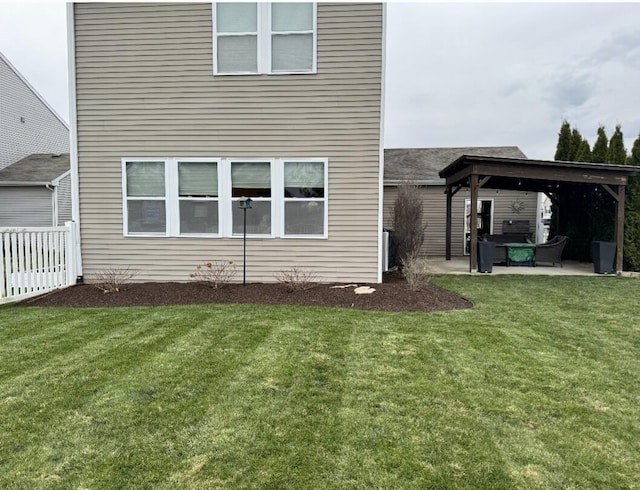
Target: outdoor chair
x=551 y=251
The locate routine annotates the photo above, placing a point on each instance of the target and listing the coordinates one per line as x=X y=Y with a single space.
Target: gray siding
x=25 y=206
x=41 y=131
x=64 y=200
x=435 y=213
x=145 y=88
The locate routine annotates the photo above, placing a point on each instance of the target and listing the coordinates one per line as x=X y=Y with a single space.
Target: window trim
x=324 y=199
x=225 y=199
x=264 y=42
x=174 y=184
x=233 y=200
x=126 y=198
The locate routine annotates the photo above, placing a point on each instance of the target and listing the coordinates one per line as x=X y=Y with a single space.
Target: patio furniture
x=501 y=240
x=551 y=251
x=521 y=254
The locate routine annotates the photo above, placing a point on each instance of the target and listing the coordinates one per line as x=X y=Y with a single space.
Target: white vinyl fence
x=36 y=260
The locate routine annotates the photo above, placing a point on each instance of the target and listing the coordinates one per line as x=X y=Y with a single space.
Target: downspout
x=73 y=137
x=381 y=146
x=54 y=204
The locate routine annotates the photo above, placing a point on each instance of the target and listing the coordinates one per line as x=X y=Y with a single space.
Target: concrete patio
x=460 y=265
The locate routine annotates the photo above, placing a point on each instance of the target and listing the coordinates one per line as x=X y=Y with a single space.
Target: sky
x=457 y=74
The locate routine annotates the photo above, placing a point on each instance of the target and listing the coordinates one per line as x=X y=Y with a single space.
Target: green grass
x=537 y=387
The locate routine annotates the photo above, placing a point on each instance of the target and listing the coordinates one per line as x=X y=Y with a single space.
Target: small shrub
x=112 y=280
x=408 y=222
x=416 y=272
x=215 y=274
x=296 y=278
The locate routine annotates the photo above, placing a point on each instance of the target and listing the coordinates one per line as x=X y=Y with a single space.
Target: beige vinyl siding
x=25 y=206
x=435 y=213
x=145 y=88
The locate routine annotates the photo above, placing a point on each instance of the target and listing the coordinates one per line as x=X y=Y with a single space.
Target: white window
x=200 y=197
x=251 y=38
x=145 y=198
x=304 y=198
x=251 y=179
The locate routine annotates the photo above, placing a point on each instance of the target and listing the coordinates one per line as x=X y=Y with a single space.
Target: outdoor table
x=521 y=253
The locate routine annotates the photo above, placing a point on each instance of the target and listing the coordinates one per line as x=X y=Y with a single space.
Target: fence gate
x=36 y=260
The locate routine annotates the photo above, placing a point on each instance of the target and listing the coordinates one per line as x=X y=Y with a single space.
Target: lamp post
x=245 y=203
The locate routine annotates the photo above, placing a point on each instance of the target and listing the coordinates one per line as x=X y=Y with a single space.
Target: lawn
x=537 y=387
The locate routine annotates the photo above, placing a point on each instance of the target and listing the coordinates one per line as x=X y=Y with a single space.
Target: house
x=181 y=111
x=36 y=191
x=28 y=124
x=498 y=210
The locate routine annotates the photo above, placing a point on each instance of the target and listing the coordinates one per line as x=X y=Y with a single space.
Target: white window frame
x=323 y=199
x=126 y=199
x=174 y=185
x=264 y=42
x=225 y=201
x=234 y=201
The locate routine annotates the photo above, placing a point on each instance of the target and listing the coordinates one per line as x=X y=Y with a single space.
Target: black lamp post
x=245 y=203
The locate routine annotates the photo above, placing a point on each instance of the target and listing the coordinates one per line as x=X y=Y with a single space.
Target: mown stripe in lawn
x=83 y=378
x=273 y=425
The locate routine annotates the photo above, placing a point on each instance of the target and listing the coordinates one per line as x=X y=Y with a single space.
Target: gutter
x=31 y=183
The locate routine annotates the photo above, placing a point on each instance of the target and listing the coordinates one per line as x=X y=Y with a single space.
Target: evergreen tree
x=632 y=215
x=584 y=153
x=599 y=153
x=617 y=153
x=574 y=145
x=564 y=142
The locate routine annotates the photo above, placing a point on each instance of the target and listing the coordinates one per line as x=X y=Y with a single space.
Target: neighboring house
x=27 y=123
x=421 y=166
x=181 y=110
x=36 y=191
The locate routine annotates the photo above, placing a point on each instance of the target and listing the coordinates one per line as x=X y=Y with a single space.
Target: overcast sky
x=463 y=74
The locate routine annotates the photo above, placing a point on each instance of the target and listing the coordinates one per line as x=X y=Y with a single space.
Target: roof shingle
x=423 y=164
x=39 y=167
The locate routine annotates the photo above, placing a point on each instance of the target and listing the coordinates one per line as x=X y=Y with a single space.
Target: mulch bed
x=392 y=295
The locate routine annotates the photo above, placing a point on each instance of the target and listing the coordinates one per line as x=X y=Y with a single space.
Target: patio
x=460 y=266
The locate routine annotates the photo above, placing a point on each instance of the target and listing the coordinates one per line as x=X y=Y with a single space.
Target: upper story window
x=258 y=38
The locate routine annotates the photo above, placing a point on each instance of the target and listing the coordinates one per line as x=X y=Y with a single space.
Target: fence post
x=70 y=252
x=2 y=271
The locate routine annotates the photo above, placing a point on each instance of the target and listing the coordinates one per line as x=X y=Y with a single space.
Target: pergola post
x=473 y=223
x=448 y=229
x=620 y=201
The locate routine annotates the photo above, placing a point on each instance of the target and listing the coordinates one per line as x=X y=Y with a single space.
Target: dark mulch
x=392 y=295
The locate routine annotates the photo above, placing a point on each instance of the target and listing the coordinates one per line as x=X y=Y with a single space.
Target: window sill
x=314 y=72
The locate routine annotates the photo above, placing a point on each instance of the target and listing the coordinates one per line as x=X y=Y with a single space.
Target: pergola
x=549 y=177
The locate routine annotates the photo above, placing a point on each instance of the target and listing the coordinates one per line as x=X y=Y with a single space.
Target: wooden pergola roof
x=545 y=176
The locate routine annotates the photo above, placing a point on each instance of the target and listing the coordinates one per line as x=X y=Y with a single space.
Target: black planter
x=603 y=254
x=486 y=255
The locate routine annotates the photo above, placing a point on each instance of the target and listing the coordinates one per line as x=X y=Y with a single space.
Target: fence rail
x=36 y=260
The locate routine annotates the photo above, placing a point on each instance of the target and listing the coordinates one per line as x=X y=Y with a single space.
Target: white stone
x=364 y=290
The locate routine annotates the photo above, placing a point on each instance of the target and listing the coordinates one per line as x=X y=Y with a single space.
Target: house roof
x=421 y=165
x=39 y=168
